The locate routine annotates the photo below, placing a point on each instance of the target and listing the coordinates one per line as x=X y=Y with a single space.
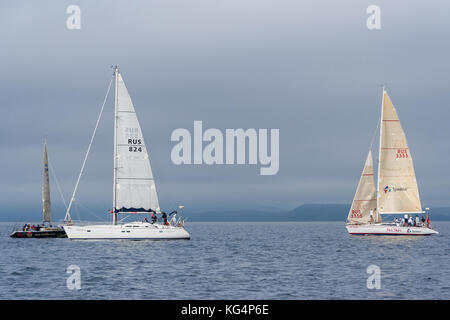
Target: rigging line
x=89 y=211
x=375 y=133
x=87 y=153
x=57 y=183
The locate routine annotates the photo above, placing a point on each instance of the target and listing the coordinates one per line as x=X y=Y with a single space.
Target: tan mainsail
x=46 y=207
x=397 y=185
x=365 y=196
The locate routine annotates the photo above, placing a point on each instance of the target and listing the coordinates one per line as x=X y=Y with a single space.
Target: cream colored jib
x=365 y=196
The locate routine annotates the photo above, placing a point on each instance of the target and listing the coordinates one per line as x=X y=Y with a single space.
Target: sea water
x=251 y=260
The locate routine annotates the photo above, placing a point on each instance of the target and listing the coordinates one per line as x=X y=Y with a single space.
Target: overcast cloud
x=310 y=68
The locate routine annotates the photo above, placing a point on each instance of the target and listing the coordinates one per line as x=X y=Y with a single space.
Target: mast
x=46 y=206
x=379 y=150
x=115 y=147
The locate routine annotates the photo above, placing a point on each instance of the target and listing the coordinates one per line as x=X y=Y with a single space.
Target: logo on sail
x=389 y=189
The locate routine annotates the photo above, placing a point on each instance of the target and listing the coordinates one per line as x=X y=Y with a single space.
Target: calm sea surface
x=299 y=260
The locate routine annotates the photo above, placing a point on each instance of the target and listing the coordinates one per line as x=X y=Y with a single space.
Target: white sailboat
x=397 y=191
x=134 y=189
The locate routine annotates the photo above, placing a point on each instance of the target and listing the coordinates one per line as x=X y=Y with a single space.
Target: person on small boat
x=417 y=221
x=145 y=219
x=410 y=221
x=396 y=221
x=423 y=221
x=428 y=222
x=153 y=217
x=371 y=215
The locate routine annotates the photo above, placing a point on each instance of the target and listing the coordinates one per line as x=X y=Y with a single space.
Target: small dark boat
x=46 y=230
x=43 y=233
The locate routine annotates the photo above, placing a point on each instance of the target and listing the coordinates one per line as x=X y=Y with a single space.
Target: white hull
x=129 y=231
x=388 y=230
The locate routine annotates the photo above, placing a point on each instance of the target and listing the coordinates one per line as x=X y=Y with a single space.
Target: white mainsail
x=365 y=196
x=134 y=185
x=397 y=185
x=46 y=206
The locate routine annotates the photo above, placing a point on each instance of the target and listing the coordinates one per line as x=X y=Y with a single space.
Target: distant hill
x=305 y=212
x=440 y=214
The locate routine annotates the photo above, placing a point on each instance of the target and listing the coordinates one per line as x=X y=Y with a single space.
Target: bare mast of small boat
x=46 y=204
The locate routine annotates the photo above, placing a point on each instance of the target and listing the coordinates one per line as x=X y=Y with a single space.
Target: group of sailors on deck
x=407 y=220
x=28 y=227
x=173 y=221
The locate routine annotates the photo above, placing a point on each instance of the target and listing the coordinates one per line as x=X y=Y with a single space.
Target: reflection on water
x=231 y=261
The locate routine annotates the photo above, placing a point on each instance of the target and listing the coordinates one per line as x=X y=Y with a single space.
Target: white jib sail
x=397 y=185
x=135 y=189
x=46 y=206
x=365 y=196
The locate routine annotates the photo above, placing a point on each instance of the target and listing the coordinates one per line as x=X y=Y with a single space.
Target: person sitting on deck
x=145 y=219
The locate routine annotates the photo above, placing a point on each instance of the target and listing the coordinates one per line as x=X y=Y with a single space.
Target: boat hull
x=132 y=231
x=388 y=230
x=39 y=234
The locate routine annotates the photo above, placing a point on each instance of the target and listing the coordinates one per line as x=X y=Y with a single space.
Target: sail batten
x=134 y=185
x=46 y=205
x=397 y=186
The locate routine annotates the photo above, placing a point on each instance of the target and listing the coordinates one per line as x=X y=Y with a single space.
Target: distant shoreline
x=303 y=213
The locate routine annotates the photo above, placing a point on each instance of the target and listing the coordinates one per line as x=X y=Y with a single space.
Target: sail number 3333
x=356 y=214
x=402 y=153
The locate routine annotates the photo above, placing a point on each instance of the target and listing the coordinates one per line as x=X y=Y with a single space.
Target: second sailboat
x=134 y=189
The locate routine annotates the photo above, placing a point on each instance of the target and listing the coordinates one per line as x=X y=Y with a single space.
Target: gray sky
x=310 y=68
